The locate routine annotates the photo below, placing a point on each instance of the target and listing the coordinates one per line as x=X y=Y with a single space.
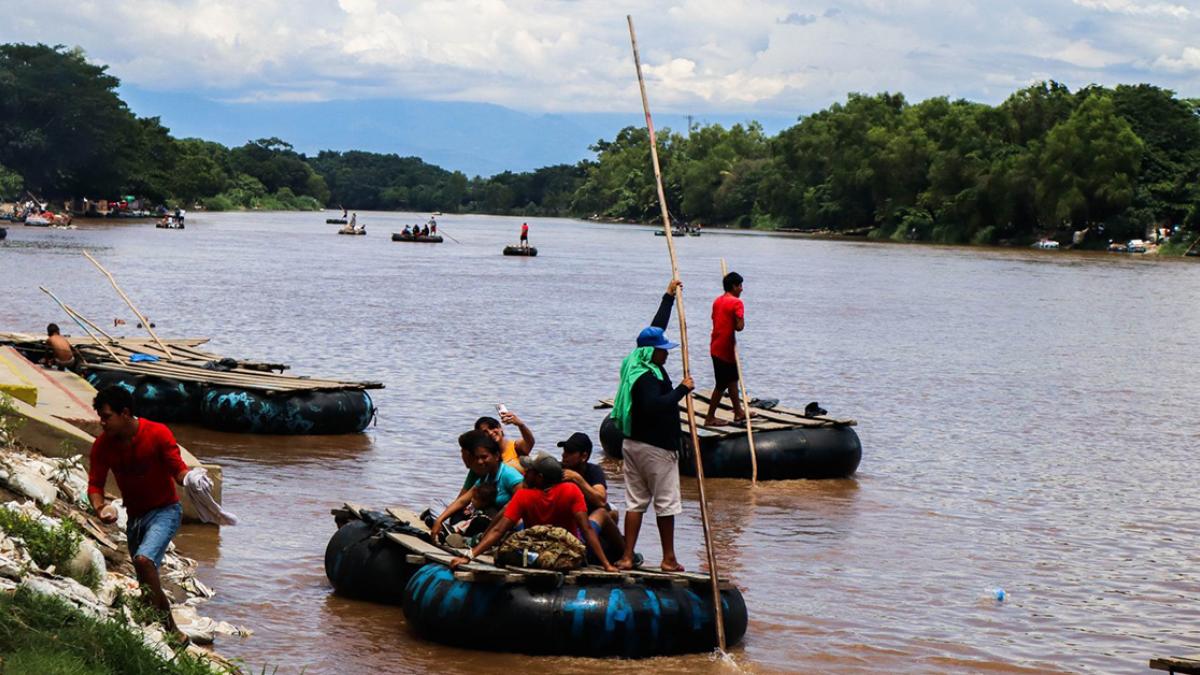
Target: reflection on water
x=1020 y=413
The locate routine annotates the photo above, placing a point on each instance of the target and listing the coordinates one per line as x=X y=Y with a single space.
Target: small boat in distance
x=421 y=239
x=528 y=251
x=1048 y=244
x=335 y=221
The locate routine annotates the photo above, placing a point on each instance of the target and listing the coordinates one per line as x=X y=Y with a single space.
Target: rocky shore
x=51 y=546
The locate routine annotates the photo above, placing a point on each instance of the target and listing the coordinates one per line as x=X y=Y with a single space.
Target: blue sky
x=708 y=58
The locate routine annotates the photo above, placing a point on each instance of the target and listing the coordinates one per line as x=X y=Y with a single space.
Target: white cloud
x=778 y=56
x=1134 y=7
x=1188 y=60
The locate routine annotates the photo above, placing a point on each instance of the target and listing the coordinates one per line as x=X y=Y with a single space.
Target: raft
x=169 y=226
x=388 y=557
x=789 y=445
x=197 y=387
x=520 y=250
x=335 y=221
x=361 y=230
x=423 y=239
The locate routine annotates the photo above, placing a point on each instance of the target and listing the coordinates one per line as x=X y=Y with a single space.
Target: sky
x=751 y=58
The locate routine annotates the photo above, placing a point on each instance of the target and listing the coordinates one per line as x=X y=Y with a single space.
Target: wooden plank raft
x=484 y=569
x=187 y=364
x=1175 y=664
x=762 y=419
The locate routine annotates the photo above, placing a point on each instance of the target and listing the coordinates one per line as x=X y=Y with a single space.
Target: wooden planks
x=1174 y=664
x=775 y=419
x=484 y=569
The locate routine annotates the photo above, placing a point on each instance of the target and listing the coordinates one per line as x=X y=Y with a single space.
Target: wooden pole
x=737 y=360
x=1189 y=249
x=683 y=341
x=77 y=315
x=145 y=323
x=77 y=321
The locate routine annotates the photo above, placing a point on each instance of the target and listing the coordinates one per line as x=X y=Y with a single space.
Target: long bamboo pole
x=71 y=310
x=691 y=409
x=77 y=321
x=145 y=323
x=737 y=360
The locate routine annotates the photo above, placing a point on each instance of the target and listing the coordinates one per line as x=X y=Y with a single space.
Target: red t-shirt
x=726 y=311
x=145 y=467
x=555 y=506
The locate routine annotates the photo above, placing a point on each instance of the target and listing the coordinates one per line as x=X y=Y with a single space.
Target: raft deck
x=1175 y=664
x=187 y=363
x=776 y=418
x=484 y=569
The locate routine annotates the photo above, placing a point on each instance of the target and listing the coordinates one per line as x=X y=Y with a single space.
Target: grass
x=47 y=545
x=41 y=634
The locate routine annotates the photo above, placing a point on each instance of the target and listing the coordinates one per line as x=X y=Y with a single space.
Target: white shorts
x=651 y=474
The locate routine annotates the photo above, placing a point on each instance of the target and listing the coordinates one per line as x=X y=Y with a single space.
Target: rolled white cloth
x=199 y=487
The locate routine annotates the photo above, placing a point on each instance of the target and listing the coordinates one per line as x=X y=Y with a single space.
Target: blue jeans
x=150 y=534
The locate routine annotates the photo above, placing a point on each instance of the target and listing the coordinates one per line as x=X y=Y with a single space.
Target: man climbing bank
x=145 y=459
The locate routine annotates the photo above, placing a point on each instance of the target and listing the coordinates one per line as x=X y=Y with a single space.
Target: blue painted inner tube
x=303 y=412
x=340 y=411
x=596 y=619
x=784 y=454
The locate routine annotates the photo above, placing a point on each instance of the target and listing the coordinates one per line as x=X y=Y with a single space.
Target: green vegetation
x=44 y=635
x=46 y=545
x=65 y=134
x=1112 y=162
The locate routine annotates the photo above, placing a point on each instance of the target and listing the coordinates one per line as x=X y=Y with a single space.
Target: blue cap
x=654 y=337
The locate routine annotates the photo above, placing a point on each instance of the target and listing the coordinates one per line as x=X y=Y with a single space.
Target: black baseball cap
x=578 y=442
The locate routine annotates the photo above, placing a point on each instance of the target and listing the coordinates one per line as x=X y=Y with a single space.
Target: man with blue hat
x=646 y=409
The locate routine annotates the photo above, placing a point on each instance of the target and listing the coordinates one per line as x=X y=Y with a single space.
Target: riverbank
x=67 y=579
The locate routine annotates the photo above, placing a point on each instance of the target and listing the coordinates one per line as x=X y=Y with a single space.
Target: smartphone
x=500 y=409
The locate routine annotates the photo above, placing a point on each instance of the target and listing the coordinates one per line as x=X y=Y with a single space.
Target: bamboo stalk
x=145 y=323
x=77 y=321
x=737 y=360
x=691 y=410
x=75 y=314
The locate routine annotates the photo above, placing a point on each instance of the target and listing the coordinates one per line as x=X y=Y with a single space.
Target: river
x=1024 y=419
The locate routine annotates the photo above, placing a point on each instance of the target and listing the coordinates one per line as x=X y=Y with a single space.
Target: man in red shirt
x=728 y=317
x=544 y=500
x=524 y=235
x=145 y=459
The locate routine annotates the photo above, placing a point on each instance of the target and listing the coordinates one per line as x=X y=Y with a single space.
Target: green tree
x=61 y=121
x=1089 y=165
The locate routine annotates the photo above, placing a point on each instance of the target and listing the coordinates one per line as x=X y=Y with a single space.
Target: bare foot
x=624 y=564
x=671 y=566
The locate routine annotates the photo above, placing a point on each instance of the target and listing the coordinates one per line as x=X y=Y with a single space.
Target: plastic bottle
x=528 y=558
x=996 y=594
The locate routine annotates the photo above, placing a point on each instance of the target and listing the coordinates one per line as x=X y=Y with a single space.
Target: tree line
x=1047 y=161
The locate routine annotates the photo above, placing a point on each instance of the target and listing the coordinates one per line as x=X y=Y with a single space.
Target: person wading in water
x=646 y=409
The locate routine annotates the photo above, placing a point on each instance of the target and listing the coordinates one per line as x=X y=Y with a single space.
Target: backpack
x=544 y=547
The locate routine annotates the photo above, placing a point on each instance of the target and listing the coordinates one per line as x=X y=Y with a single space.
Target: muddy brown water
x=1027 y=421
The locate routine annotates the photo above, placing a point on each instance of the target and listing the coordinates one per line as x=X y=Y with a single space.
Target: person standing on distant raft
x=144 y=457
x=728 y=317
x=646 y=409
x=524 y=235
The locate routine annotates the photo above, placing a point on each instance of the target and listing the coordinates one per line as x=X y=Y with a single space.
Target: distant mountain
x=475 y=138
